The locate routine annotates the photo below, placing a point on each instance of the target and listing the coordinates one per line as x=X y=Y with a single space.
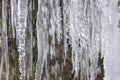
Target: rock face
x=59 y=40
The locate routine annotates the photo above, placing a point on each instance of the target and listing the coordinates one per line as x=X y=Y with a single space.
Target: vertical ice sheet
x=111 y=39
x=106 y=39
x=21 y=34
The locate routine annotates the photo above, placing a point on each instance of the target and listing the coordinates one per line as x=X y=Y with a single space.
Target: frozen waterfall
x=59 y=40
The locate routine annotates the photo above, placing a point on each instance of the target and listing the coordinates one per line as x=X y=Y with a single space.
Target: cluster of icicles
x=77 y=24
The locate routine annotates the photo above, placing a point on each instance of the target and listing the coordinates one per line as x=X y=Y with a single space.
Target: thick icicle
x=29 y=36
x=42 y=37
x=21 y=34
x=5 y=57
x=74 y=37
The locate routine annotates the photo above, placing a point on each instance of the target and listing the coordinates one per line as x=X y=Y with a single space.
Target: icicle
x=46 y=67
x=5 y=56
x=87 y=27
x=33 y=3
x=29 y=52
x=1 y=56
x=58 y=19
x=75 y=36
x=1 y=67
x=52 y=28
x=66 y=24
x=42 y=38
x=13 y=16
x=21 y=34
x=79 y=32
x=95 y=37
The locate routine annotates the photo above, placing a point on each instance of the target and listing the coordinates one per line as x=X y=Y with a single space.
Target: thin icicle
x=5 y=57
x=20 y=30
x=66 y=24
x=52 y=28
x=1 y=67
x=33 y=3
x=58 y=19
x=13 y=16
x=1 y=56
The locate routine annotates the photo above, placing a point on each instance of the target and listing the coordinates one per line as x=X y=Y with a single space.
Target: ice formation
x=79 y=31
